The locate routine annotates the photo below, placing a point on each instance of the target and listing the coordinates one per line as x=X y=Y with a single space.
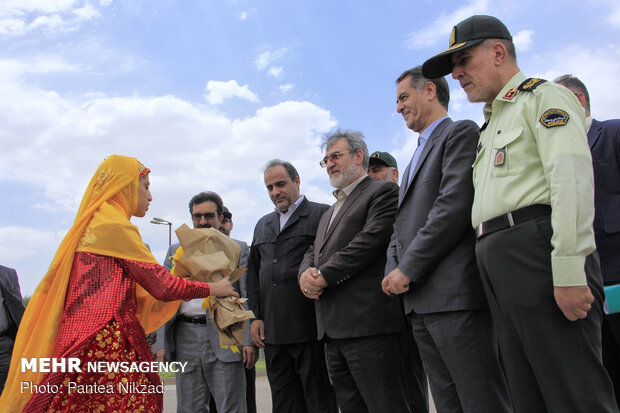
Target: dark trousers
x=552 y=364
x=298 y=378
x=368 y=374
x=460 y=355
x=611 y=350
x=416 y=384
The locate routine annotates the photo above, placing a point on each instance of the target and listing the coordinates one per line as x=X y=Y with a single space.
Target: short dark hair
x=290 y=169
x=574 y=84
x=354 y=139
x=204 y=197
x=418 y=81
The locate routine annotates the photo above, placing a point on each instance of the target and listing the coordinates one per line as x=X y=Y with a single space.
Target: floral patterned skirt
x=88 y=392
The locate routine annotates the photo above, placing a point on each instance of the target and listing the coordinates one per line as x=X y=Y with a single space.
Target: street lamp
x=160 y=221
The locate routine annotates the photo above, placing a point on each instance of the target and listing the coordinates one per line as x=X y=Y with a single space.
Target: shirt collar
x=426 y=133
x=508 y=94
x=291 y=207
x=349 y=188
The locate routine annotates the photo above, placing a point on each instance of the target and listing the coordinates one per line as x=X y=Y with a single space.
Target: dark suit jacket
x=273 y=291
x=351 y=257
x=433 y=241
x=12 y=303
x=169 y=329
x=604 y=141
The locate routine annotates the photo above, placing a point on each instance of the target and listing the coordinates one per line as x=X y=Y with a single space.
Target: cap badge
x=453 y=36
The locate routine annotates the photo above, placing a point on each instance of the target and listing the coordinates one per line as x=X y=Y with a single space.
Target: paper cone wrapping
x=209 y=256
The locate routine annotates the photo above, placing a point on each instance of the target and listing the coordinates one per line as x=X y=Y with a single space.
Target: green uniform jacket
x=534 y=150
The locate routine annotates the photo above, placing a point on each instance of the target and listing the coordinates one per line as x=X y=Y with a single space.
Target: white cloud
x=218 y=91
x=20 y=17
x=243 y=15
x=267 y=57
x=54 y=21
x=275 y=71
x=523 y=39
x=189 y=148
x=16 y=7
x=595 y=68
x=22 y=242
x=12 y=26
x=285 y=88
x=438 y=31
x=88 y=12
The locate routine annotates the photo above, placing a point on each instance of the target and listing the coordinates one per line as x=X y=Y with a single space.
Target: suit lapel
x=322 y=229
x=594 y=132
x=273 y=222
x=404 y=184
x=348 y=202
x=427 y=149
x=301 y=211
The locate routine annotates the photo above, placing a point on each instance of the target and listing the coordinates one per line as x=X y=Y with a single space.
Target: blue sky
x=206 y=92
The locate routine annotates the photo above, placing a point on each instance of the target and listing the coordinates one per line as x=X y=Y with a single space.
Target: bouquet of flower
x=207 y=255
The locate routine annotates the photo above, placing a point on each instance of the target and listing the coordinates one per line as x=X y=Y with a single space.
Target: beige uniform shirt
x=534 y=150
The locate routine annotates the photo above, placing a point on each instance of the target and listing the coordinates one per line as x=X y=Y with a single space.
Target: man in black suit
x=11 y=312
x=343 y=270
x=431 y=258
x=285 y=324
x=604 y=142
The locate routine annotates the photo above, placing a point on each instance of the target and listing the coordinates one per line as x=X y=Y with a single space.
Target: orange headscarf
x=102 y=227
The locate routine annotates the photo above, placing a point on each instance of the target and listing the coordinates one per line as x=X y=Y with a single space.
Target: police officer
x=533 y=210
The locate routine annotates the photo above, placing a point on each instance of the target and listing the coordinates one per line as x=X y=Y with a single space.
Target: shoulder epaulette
x=531 y=84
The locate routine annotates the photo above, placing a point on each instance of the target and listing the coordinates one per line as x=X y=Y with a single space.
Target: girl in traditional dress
x=97 y=300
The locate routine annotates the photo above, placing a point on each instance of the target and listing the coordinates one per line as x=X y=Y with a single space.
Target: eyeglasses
x=206 y=215
x=334 y=156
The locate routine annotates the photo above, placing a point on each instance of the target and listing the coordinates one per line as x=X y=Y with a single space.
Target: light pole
x=160 y=221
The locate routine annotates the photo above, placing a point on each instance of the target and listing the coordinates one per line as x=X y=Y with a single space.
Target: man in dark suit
x=604 y=142
x=431 y=258
x=383 y=166
x=11 y=312
x=190 y=336
x=285 y=324
x=343 y=270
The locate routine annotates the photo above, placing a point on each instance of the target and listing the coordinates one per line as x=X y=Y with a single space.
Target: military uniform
x=533 y=211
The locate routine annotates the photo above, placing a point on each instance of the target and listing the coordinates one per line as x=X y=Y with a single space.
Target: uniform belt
x=510 y=219
x=194 y=319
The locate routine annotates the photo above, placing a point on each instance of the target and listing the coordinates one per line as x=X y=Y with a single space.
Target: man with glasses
x=342 y=272
x=190 y=337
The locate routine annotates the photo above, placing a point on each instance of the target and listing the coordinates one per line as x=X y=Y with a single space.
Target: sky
x=205 y=92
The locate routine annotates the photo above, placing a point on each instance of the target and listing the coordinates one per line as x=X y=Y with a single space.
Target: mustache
x=203 y=226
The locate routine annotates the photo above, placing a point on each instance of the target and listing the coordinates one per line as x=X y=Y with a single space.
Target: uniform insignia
x=531 y=83
x=554 y=117
x=500 y=157
x=510 y=94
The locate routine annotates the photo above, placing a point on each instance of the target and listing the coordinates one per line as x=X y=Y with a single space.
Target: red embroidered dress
x=99 y=324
